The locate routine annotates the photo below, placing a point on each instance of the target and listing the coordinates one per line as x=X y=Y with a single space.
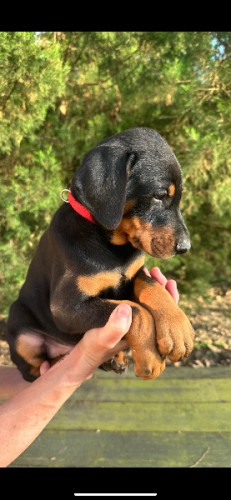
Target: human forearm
x=26 y=414
x=11 y=381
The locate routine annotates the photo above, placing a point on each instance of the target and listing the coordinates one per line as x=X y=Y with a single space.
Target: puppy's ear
x=100 y=183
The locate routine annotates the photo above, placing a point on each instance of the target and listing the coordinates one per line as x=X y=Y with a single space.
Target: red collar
x=80 y=209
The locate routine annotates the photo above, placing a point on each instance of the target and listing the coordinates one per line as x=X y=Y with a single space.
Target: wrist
x=70 y=371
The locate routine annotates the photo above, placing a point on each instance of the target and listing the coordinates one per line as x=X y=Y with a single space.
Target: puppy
x=123 y=201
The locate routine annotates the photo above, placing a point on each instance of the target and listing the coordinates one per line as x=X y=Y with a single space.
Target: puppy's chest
x=114 y=284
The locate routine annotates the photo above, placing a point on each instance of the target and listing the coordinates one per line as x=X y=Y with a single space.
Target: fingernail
x=124 y=311
x=146 y=271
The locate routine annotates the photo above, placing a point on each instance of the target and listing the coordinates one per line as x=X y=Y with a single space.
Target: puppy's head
x=132 y=185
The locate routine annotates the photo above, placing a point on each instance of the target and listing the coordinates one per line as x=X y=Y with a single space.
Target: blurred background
x=62 y=92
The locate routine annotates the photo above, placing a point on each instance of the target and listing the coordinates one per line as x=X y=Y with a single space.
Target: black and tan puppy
x=124 y=201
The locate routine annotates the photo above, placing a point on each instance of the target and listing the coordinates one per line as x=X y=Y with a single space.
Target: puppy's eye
x=160 y=195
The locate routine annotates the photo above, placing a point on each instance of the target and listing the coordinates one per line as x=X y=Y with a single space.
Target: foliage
x=27 y=202
x=32 y=76
x=60 y=93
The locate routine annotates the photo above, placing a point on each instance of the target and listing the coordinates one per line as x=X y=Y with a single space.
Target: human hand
x=100 y=344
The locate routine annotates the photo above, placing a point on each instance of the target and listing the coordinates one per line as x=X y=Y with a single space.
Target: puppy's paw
x=149 y=366
x=118 y=363
x=174 y=333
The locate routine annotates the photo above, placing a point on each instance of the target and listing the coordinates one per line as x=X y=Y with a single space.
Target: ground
x=211 y=320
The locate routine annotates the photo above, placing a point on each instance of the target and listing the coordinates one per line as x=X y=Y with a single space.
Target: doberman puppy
x=123 y=201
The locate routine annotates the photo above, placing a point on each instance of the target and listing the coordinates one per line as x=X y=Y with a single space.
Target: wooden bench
x=182 y=419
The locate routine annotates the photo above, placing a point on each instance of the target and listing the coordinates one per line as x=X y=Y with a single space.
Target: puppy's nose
x=183 y=246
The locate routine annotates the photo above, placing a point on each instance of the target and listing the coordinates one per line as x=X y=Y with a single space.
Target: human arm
x=26 y=414
x=11 y=381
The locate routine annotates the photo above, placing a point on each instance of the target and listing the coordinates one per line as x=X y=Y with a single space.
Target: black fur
x=137 y=165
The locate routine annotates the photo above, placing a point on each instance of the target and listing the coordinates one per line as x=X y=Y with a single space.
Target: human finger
x=146 y=272
x=158 y=276
x=44 y=367
x=171 y=287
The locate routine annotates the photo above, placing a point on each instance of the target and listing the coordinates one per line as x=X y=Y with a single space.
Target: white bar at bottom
x=115 y=494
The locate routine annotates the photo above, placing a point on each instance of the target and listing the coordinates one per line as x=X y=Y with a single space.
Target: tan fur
x=118 y=236
x=159 y=241
x=135 y=231
x=134 y=267
x=141 y=340
x=163 y=245
x=174 y=332
x=171 y=190
x=153 y=293
x=31 y=353
x=94 y=284
x=128 y=206
x=121 y=358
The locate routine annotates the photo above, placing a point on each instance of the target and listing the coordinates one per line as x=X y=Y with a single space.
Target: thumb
x=99 y=344
x=117 y=326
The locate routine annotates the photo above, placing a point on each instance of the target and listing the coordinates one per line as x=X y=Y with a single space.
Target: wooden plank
x=159 y=391
x=113 y=421
x=143 y=416
x=127 y=449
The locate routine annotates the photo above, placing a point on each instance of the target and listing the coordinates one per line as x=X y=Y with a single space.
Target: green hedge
x=60 y=93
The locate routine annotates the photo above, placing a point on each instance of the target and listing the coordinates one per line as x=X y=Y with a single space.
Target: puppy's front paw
x=174 y=333
x=148 y=364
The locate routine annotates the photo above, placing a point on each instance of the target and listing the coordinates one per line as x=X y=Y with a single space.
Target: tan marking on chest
x=134 y=267
x=93 y=285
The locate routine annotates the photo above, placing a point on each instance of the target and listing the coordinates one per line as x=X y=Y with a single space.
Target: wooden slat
x=159 y=391
x=143 y=416
x=127 y=449
x=113 y=421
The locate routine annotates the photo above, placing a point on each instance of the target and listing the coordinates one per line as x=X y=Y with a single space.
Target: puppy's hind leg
x=28 y=354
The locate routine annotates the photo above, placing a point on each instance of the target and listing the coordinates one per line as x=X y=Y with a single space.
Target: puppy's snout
x=183 y=245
